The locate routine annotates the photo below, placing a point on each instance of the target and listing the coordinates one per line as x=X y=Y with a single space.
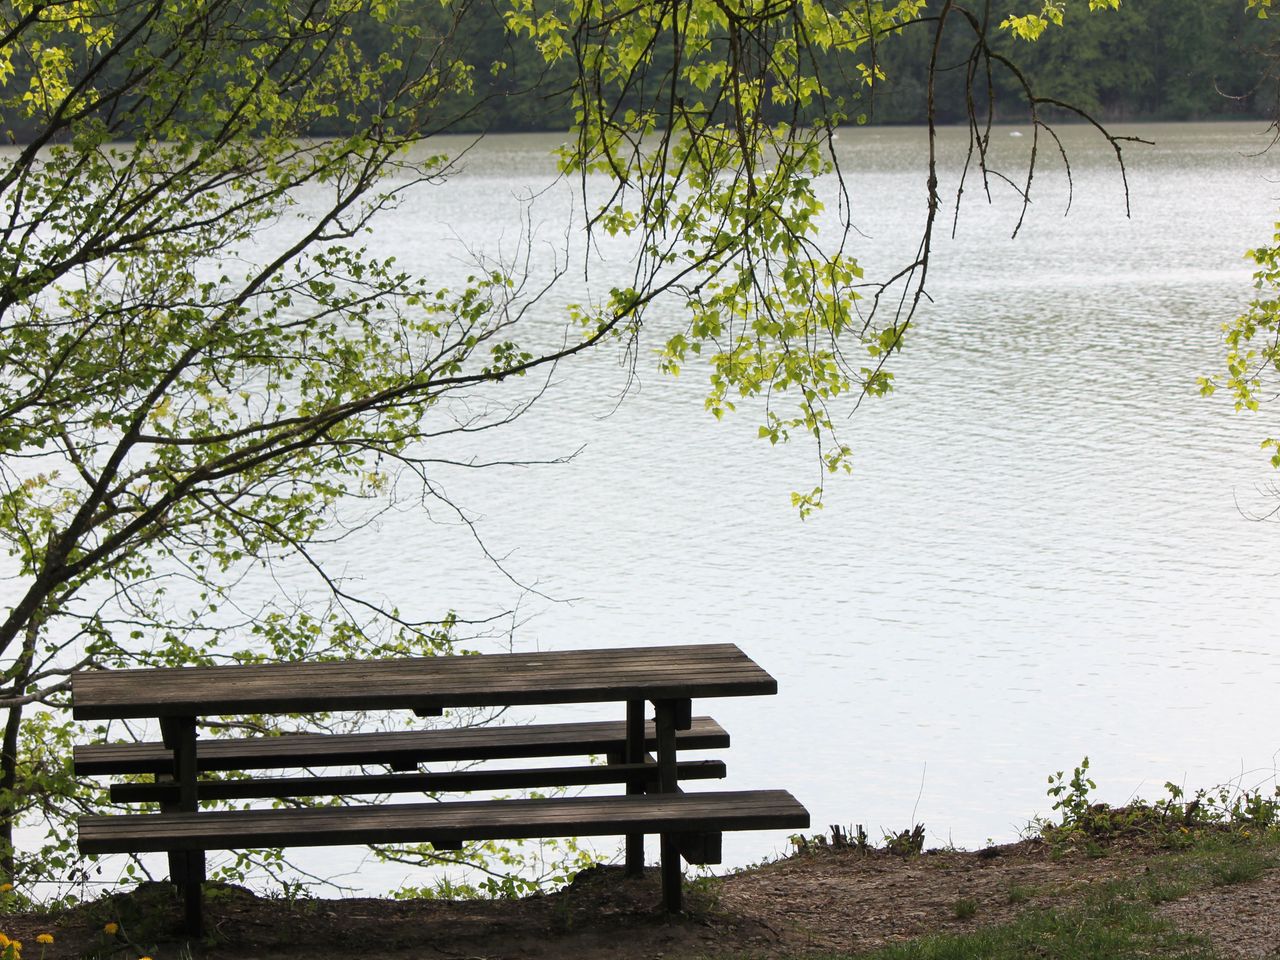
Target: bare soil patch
x=1241 y=920
x=810 y=904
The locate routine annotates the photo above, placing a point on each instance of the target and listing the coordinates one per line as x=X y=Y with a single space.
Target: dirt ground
x=823 y=901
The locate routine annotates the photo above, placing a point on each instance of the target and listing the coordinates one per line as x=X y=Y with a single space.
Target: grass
x=1020 y=893
x=1117 y=920
x=1106 y=927
x=1240 y=870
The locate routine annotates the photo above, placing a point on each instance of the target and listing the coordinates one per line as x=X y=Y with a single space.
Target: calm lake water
x=1044 y=551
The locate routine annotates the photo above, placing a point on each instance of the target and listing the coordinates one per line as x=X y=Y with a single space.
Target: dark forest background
x=1160 y=60
x=1151 y=60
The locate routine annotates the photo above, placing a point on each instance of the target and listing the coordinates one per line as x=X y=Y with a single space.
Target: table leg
x=186 y=868
x=668 y=716
x=177 y=860
x=635 y=753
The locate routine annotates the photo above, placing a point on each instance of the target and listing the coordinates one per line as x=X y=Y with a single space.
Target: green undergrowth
x=1111 y=920
x=1173 y=847
x=1109 y=927
x=1175 y=819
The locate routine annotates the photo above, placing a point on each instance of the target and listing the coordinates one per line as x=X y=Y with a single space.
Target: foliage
x=12 y=949
x=1029 y=26
x=904 y=843
x=1253 y=338
x=1072 y=797
x=501 y=872
x=202 y=378
x=1228 y=809
x=1253 y=342
x=197 y=381
x=117 y=940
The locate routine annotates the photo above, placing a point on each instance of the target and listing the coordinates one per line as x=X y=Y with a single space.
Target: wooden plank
x=360 y=785
x=426 y=683
x=398 y=747
x=443 y=822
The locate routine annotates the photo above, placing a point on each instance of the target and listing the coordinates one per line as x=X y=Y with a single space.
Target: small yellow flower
x=4 y=941
x=144 y=958
x=44 y=938
x=5 y=887
x=111 y=929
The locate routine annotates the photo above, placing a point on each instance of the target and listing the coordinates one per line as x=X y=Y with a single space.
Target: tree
x=187 y=393
x=1252 y=339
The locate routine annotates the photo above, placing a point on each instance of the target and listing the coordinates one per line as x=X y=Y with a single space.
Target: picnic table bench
x=641 y=754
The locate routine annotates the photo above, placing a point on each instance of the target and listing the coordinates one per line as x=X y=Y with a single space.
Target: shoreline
x=830 y=900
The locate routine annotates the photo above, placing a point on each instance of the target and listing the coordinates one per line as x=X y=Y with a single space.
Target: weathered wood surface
x=444 y=823
x=427 y=683
x=445 y=782
x=399 y=747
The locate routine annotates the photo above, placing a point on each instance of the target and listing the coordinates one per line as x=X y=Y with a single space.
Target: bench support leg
x=668 y=715
x=177 y=860
x=672 y=876
x=193 y=916
x=186 y=868
x=635 y=753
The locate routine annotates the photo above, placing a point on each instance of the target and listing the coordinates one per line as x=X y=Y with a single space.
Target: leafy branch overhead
x=1029 y=26
x=714 y=124
x=1253 y=342
x=1252 y=339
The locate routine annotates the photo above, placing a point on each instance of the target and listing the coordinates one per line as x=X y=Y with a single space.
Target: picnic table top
x=422 y=683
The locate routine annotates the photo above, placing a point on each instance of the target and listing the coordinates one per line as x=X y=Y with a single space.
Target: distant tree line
x=1161 y=60
x=1151 y=60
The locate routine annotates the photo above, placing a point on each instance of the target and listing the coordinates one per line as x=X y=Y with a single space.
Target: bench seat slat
x=396 y=747
x=452 y=780
x=443 y=822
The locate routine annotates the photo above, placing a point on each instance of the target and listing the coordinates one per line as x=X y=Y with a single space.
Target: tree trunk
x=9 y=808
x=8 y=791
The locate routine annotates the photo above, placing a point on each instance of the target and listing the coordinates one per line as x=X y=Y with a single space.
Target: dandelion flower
x=44 y=938
x=4 y=941
x=111 y=929
x=5 y=887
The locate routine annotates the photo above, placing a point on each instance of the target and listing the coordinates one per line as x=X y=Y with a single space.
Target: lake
x=1046 y=548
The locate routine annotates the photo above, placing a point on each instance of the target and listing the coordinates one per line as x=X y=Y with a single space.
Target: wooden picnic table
x=669 y=677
